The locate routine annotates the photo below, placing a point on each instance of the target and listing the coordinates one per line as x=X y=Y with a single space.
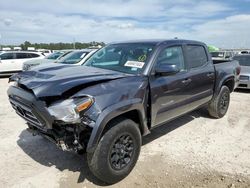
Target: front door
x=7 y=62
x=169 y=93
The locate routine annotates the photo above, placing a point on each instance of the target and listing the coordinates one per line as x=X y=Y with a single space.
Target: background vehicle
x=12 y=61
x=46 y=52
x=244 y=52
x=222 y=55
x=48 y=59
x=75 y=57
x=86 y=57
x=244 y=61
x=121 y=93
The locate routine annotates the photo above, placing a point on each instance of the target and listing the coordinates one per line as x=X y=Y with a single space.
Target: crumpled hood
x=55 y=79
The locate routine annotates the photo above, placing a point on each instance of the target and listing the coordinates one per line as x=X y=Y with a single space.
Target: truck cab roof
x=160 y=41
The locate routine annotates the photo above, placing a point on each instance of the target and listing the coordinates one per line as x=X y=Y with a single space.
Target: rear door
x=20 y=58
x=202 y=74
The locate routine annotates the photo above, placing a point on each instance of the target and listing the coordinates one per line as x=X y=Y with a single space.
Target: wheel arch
x=134 y=111
x=228 y=81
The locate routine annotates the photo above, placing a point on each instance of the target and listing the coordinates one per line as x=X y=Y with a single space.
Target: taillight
x=238 y=69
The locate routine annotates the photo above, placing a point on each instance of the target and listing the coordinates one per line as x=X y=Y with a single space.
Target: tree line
x=57 y=46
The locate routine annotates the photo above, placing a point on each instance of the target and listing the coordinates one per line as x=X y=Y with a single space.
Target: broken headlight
x=68 y=110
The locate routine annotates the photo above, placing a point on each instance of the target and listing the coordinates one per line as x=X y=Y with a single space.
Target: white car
x=45 y=51
x=12 y=61
x=222 y=55
x=77 y=57
x=86 y=57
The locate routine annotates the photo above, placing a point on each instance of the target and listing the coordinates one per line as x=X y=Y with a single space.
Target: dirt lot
x=192 y=151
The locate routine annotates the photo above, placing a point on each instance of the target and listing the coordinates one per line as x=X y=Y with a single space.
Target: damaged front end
x=63 y=104
x=66 y=121
x=63 y=122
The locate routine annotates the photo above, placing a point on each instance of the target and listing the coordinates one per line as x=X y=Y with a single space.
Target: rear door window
x=21 y=55
x=196 y=55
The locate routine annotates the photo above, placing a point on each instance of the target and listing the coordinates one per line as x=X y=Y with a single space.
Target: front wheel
x=117 y=152
x=219 y=105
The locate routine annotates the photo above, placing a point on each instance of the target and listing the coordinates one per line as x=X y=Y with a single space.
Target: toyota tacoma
x=120 y=94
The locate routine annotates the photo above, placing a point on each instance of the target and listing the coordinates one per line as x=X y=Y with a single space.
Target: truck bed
x=226 y=68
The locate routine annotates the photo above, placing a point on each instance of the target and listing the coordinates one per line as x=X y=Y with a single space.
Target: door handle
x=210 y=74
x=186 y=81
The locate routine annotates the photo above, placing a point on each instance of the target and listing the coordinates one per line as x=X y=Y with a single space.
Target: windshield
x=243 y=60
x=127 y=58
x=217 y=54
x=54 y=55
x=73 y=57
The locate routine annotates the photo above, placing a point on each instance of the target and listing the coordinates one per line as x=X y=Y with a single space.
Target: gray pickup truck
x=122 y=92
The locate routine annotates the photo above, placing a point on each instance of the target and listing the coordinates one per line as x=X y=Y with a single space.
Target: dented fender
x=112 y=112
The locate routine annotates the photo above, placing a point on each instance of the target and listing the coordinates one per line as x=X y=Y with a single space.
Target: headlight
x=68 y=110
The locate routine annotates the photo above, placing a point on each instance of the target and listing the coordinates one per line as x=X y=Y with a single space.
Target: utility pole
x=74 y=43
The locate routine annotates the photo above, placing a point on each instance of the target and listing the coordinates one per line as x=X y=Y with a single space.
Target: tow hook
x=62 y=145
x=78 y=146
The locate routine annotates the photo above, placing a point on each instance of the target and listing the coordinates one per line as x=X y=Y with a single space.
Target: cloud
x=230 y=32
x=7 y=22
x=110 y=20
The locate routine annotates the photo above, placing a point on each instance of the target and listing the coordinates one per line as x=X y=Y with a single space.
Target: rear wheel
x=219 y=105
x=117 y=152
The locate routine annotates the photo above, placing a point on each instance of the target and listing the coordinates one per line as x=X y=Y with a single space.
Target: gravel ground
x=192 y=151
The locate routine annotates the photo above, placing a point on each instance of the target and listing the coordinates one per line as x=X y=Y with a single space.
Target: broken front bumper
x=29 y=108
x=40 y=122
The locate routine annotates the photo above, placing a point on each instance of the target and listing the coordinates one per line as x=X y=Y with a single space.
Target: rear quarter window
x=32 y=55
x=196 y=55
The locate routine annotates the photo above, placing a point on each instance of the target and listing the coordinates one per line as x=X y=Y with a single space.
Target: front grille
x=26 y=113
x=244 y=77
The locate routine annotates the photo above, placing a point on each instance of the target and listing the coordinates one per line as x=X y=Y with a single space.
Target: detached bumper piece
x=29 y=108
x=27 y=114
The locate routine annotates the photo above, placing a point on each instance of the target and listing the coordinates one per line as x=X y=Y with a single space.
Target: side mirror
x=166 y=69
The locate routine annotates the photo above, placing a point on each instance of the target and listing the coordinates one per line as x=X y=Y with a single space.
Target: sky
x=224 y=23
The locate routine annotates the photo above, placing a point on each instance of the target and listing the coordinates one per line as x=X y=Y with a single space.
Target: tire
x=121 y=143
x=218 y=107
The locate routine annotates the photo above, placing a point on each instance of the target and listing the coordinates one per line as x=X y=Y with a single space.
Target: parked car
x=48 y=59
x=121 y=92
x=12 y=61
x=46 y=52
x=222 y=55
x=244 y=52
x=244 y=61
x=92 y=51
x=75 y=57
